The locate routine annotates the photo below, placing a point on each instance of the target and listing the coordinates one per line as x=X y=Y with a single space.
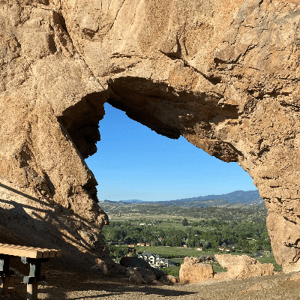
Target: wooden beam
x=30 y=252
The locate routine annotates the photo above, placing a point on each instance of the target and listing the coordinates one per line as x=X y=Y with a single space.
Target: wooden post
x=4 y=273
x=4 y=283
x=34 y=276
x=32 y=291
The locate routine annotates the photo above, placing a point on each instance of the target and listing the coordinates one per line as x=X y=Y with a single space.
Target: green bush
x=185 y=222
x=174 y=271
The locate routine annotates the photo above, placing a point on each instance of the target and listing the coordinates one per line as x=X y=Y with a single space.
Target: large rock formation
x=243 y=266
x=192 y=270
x=223 y=74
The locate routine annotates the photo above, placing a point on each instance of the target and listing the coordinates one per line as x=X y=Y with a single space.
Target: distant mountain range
x=132 y=201
x=245 y=197
x=237 y=197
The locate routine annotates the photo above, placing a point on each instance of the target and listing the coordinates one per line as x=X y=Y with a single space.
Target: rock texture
x=135 y=276
x=243 y=266
x=167 y=279
x=149 y=274
x=223 y=74
x=192 y=270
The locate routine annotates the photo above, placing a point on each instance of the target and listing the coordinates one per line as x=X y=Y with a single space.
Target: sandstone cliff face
x=49 y=123
x=223 y=74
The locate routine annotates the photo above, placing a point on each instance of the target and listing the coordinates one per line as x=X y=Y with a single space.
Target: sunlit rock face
x=223 y=74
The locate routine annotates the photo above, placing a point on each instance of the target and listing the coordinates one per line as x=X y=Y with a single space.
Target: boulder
x=147 y=274
x=169 y=279
x=243 y=266
x=135 y=276
x=158 y=273
x=101 y=265
x=134 y=262
x=192 y=270
x=108 y=267
x=139 y=263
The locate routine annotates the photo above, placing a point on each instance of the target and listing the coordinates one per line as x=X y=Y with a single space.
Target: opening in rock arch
x=134 y=162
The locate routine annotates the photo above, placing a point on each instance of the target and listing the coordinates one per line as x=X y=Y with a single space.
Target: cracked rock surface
x=223 y=74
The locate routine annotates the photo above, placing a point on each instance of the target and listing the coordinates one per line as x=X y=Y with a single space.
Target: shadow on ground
x=65 y=282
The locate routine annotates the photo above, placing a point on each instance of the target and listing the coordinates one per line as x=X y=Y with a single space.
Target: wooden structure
x=29 y=255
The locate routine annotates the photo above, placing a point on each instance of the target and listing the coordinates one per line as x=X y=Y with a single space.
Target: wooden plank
x=45 y=252
x=30 y=252
x=58 y=253
x=52 y=253
x=18 y=251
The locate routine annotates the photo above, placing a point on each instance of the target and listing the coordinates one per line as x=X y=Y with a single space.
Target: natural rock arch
x=224 y=74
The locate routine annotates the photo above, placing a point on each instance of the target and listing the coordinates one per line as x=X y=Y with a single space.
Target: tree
x=132 y=254
x=117 y=252
x=185 y=222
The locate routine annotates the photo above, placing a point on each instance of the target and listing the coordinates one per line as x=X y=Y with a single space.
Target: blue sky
x=134 y=162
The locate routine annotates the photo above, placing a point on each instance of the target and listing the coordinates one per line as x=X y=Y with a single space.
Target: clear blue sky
x=134 y=162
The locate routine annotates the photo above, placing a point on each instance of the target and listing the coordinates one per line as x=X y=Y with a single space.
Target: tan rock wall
x=192 y=271
x=224 y=74
x=243 y=266
x=47 y=191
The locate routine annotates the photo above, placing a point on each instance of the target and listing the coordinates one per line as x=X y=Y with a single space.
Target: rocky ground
x=65 y=282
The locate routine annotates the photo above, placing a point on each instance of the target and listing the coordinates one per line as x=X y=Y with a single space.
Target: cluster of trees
x=210 y=234
x=120 y=251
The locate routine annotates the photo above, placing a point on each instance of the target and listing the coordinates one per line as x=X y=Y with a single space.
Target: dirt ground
x=65 y=282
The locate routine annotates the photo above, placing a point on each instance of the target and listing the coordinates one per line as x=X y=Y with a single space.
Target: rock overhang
x=224 y=75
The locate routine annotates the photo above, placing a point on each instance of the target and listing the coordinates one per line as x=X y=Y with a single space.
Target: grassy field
x=270 y=260
x=137 y=216
x=164 y=222
x=176 y=251
x=134 y=217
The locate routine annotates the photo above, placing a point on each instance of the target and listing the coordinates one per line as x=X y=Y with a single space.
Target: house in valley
x=162 y=262
x=154 y=260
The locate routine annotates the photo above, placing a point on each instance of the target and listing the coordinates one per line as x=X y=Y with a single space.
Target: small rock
x=169 y=279
x=102 y=266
